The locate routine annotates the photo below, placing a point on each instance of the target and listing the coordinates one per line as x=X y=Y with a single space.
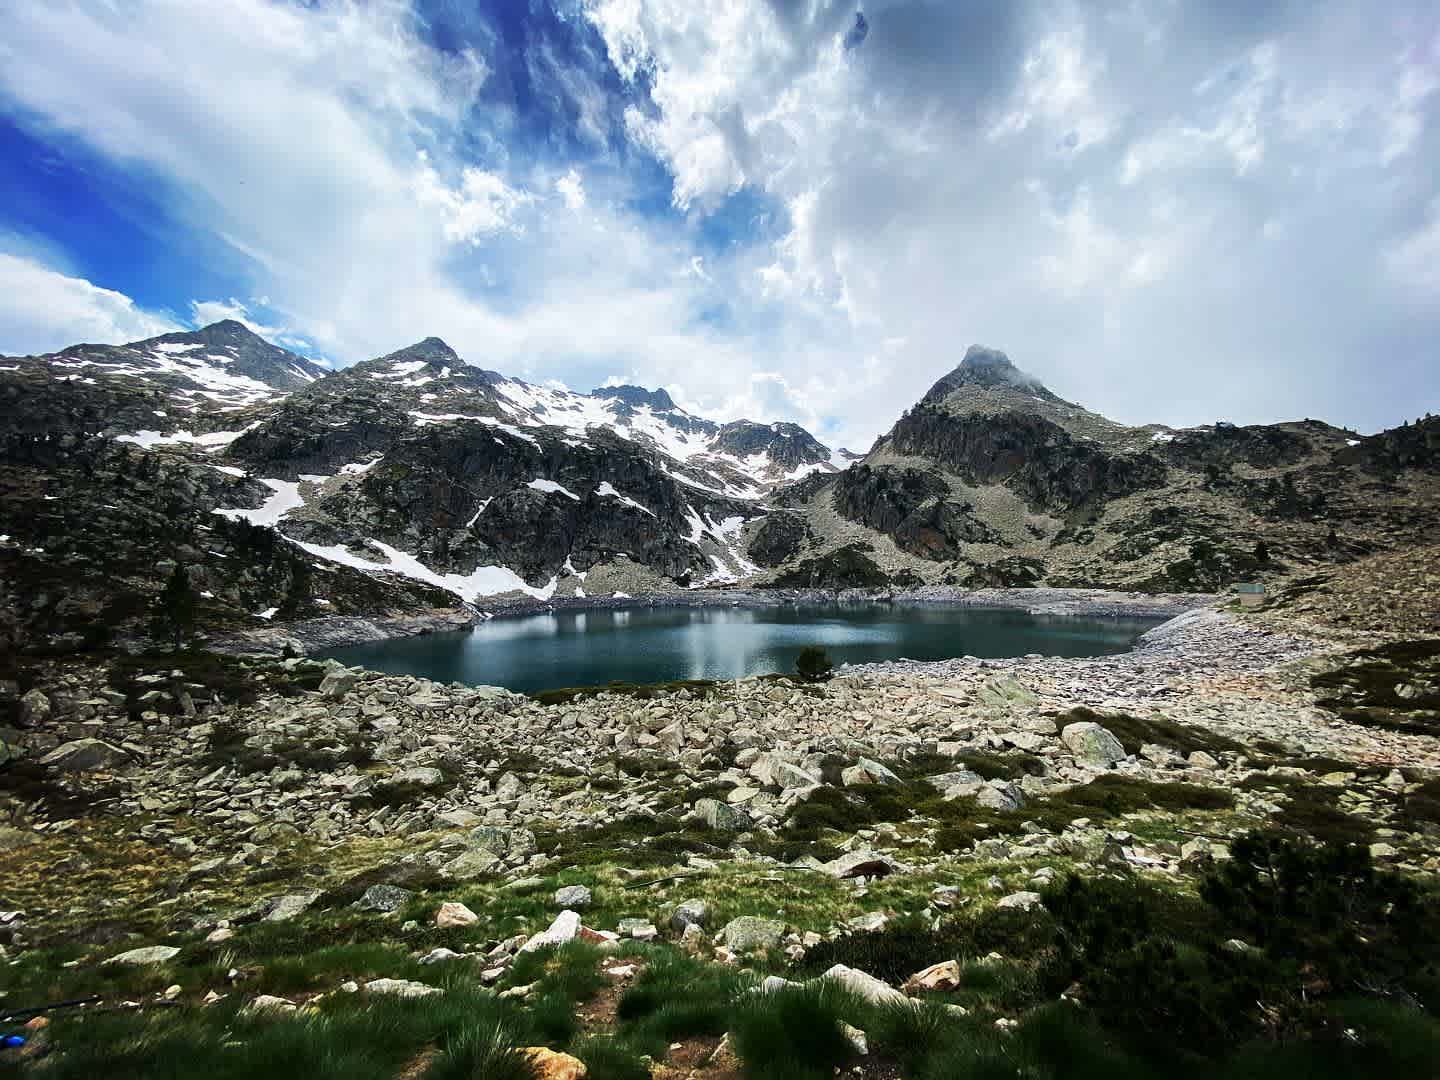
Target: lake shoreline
x=312 y=636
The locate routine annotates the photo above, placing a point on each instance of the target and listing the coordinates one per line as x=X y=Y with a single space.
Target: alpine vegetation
x=690 y=657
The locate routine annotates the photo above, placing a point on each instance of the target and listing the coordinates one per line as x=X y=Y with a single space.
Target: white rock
x=453 y=914
x=269 y=1003
x=1022 y=900
x=876 y=991
x=563 y=929
x=150 y=954
x=405 y=988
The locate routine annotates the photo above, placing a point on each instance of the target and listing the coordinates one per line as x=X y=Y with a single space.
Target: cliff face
x=912 y=506
x=1035 y=457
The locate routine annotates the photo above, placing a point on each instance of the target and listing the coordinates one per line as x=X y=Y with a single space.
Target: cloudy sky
x=788 y=209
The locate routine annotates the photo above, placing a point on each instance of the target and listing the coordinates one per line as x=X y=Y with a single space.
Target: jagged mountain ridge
x=429 y=385
x=222 y=366
x=416 y=480
x=992 y=479
x=414 y=469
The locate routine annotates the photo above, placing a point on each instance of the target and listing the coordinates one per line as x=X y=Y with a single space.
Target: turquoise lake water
x=646 y=645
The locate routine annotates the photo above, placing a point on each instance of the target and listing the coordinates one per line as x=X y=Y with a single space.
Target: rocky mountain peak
x=224 y=361
x=988 y=369
x=227 y=333
x=431 y=350
x=635 y=396
x=789 y=445
x=981 y=361
x=229 y=329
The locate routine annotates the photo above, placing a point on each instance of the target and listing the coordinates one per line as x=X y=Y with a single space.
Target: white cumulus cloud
x=42 y=310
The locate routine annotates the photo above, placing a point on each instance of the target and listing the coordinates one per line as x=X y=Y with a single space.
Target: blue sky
x=1168 y=211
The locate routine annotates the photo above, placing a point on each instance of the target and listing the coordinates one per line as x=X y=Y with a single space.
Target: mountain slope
x=223 y=366
x=465 y=470
x=992 y=479
x=416 y=480
x=278 y=486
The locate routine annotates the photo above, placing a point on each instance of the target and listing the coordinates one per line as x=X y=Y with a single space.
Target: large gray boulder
x=1092 y=744
x=472 y=864
x=573 y=896
x=715 y=814
x=866 y=771
x=867 y=986
x=959 y=782
x=511 y=844
x=565 y=928
x=1000 y=795
x=749 y=933
x=862 y=864
x=83 y=755
x=338 y=682
x=1022 y=901
x=150 y=954
x=34 y=709
x=384 y=898
x=405 y=988
x=291 y=905
x=421 y=776
x=1002 y=695
x=775 y=771
x=689 y=913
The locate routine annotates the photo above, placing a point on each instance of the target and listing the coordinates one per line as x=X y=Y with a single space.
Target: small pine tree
x=1262 y=553
x=175 y=609
x=813 y=664
x=298 y=595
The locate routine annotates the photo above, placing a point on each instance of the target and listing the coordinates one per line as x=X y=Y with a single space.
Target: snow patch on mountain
x=482 y=581
x=286 y=497
x=550 y=487
x=607 y=491
x=213 y=440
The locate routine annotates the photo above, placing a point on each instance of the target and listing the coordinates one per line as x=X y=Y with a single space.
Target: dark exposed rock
x=253 y=356
x=988 y=368
x=1011 y=572
x=1410 y=446
x=1029 y=454
x=1263 y=446
x=459 y=494
x=845 y=568
x=788 y=445
x=635 y=396
x=913 y=507
x=781 y=537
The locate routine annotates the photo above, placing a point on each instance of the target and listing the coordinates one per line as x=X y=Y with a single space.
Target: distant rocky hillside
x=403 y=483
x=417 y=481
x=992 y=479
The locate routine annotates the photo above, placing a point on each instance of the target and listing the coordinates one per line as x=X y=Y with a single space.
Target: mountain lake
x=661 y=644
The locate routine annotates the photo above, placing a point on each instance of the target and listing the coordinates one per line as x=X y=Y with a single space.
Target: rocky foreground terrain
x=920 y=870
x=1214 y=856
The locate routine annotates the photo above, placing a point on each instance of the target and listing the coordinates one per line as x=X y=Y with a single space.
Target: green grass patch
x=794 y=1033
x=1395 y=687
x=639 y=691
x=640 y=840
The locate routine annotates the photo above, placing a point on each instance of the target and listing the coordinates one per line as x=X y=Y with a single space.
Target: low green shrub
x=813 y=664
x=1136 y=731
x=793 y=1033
